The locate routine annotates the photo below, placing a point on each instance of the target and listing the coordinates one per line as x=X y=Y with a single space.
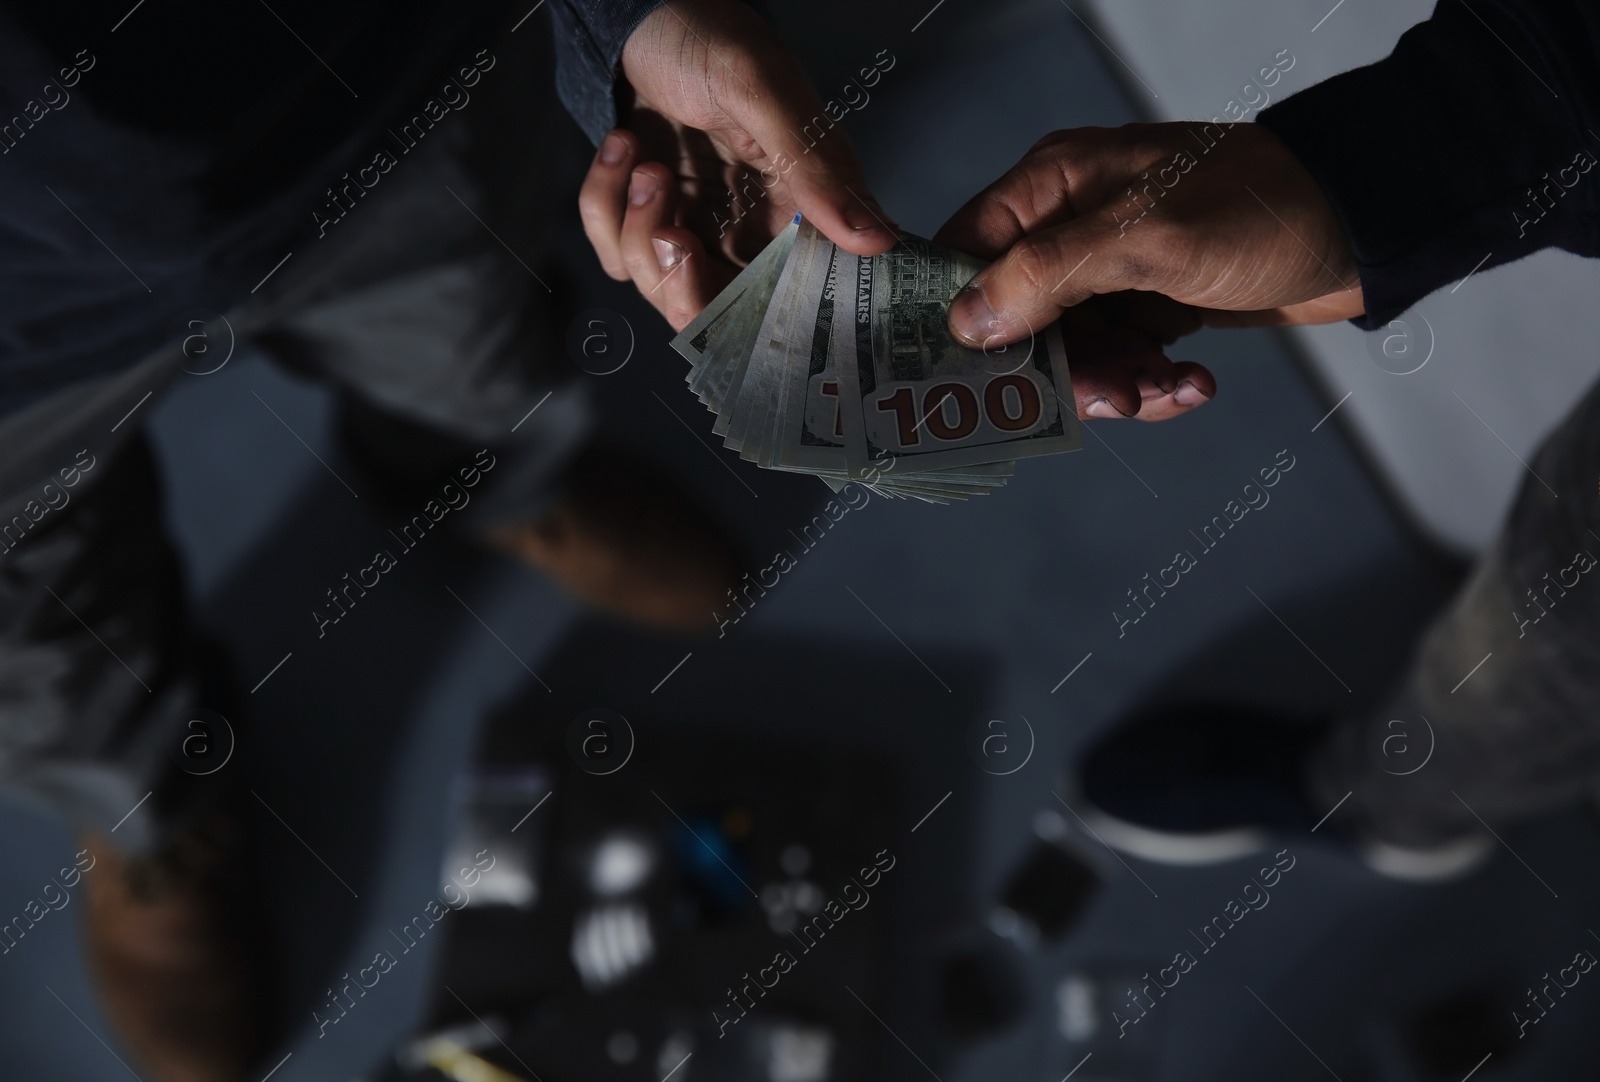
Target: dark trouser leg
x=1521 y=735
x=96 y=663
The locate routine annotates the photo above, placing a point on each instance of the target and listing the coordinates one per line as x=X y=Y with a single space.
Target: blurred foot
x=171 y=974
x=624 y=536
x=1209 y=784
x=627 y=539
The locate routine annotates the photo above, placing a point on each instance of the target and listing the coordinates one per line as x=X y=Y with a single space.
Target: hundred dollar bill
x=805 y=329
x=742 y=402
x=914 y=394
x=796 y=295
x=809 y=432
x=810 y=426
x=817 y=361
x=720 y=338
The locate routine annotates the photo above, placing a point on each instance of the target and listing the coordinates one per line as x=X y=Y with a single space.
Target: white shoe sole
x=1440 y=864
x=1167 y=847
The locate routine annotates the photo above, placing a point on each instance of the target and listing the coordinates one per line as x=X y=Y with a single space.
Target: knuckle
x=1060 y=135
x=604 y=244
x=640 y=266
x=588 y=206
x=1076 y=139
x=1138 y=271
x=669 y=312
x=1144 y=259
x=1055 y=175
x=681 y=312
x=599 y=189
x=1032 y=262
x=596 y=213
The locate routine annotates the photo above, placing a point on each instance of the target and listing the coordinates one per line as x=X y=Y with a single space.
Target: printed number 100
x=1009 y=412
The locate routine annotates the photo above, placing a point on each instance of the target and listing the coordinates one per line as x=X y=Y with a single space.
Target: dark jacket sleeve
x=589 y=36
x=1473 y=144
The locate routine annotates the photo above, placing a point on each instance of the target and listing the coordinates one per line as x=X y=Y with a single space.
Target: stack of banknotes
x=818 y=361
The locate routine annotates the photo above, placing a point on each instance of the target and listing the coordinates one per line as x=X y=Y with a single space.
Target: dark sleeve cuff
x=589 y=36
x=1471 y=145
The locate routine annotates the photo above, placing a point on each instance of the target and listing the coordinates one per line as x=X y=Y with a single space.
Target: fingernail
x=1103 y=409
x=668 y=254
x=1188 y=394
x=973 y=320
x=642 y=188
x=861 y=216
x=613 y=150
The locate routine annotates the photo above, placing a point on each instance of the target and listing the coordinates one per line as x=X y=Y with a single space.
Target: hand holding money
x=819 y=361
x=711 y=162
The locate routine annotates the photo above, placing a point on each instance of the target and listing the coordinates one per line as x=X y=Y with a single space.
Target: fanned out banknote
x=818 y=361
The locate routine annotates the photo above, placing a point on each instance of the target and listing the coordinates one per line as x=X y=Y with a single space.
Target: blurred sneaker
x=1207 y=784
x=1438 y=864
x=608 y=526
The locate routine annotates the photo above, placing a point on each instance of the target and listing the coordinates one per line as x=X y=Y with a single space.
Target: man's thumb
x=1046 y=272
